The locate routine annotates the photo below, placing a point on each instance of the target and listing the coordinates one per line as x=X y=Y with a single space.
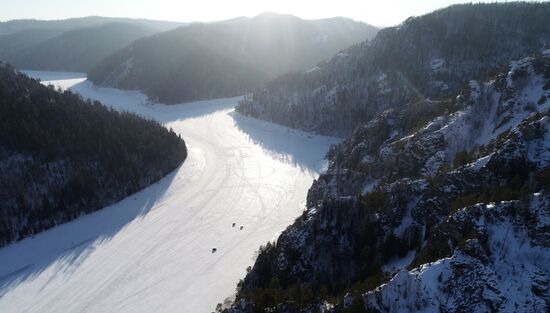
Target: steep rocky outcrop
x=448 y=216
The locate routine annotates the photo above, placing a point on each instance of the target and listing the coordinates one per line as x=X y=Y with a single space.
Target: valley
x=153 y=250
x=287 y=158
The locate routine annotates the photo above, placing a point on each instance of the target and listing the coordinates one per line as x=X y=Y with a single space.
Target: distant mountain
x=437 y=207
x=426 y=57
x=13 y=43
x=14 y=26
x=75 y=50
x=73 y=44
x=225 y=58
x=61 y=157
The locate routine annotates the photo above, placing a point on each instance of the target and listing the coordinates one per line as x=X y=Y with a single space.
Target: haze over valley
x=242 y=158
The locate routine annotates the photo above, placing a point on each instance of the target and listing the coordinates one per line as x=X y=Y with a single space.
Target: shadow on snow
x=284 y=144
x=63 y=254
x=87 y=233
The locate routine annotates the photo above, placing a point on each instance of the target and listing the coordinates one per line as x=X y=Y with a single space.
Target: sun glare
x=380 y=13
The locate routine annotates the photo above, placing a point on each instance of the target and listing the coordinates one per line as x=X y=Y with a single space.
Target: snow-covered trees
x=427 y=57
x=61 y=156
x=391 y=205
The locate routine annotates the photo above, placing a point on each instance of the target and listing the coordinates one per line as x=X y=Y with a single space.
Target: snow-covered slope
x=154 y=250
x=506 y=271
x=450 y=215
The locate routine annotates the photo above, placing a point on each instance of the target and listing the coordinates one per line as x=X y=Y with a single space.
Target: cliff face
x=502 y=267
x=427 y=57
x=451 y=215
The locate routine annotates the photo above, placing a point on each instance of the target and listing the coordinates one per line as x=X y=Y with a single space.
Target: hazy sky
x=377 y=12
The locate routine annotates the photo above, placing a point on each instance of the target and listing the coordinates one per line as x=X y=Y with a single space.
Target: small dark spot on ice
x=242 y=227
x=233 y=225
x=214 y=250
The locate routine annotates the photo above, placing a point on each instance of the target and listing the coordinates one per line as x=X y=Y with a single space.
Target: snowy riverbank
x=153 y=250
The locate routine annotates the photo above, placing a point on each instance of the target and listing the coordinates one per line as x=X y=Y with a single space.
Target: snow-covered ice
x=61 y=80
x=152 y=252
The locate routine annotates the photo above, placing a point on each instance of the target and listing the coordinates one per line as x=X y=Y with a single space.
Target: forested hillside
x=73 y=44
x=228 y=58
x=75 y=50
x=61 y=156
x=426 y=57
x=11 y=44
x=438 y=200
x=441 y=207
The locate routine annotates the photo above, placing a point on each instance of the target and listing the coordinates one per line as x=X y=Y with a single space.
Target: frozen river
x=152 y=252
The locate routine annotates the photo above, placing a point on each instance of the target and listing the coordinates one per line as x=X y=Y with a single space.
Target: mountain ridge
x=76 y=50
x=427 y=57
x=416 y=219
x=72 y=44
x=12 y=26
x=254 y=50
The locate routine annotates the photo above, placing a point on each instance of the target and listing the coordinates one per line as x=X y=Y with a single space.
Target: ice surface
x=152 y=252
x=61 y=80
